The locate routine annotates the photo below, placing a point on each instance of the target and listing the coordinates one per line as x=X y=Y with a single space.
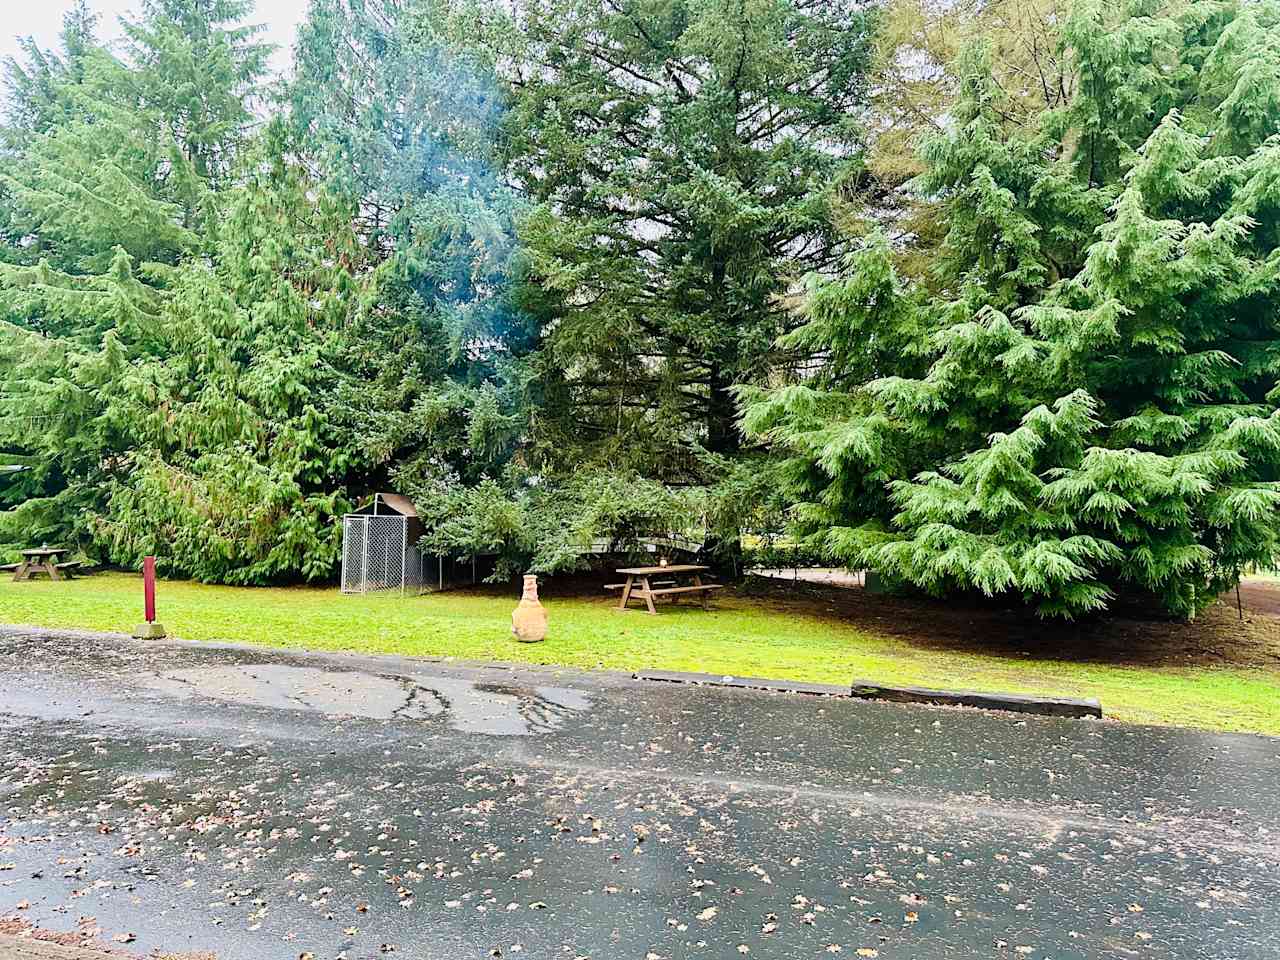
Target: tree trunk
x=722 y=428
x=722 y=550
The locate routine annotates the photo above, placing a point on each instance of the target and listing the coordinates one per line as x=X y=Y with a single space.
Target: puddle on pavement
x=490 y=708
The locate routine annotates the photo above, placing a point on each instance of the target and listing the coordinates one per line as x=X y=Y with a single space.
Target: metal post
x=342 y=574
x=364 y=558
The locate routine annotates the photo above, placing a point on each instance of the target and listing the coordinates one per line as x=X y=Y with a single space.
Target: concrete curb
x=744 y=683
x=1042 y=706
x=866 y=690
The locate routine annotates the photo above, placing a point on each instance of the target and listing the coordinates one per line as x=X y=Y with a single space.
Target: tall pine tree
x=685 y=157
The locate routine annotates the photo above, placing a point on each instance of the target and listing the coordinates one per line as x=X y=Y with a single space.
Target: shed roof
x=390 y=503
x=399 y=503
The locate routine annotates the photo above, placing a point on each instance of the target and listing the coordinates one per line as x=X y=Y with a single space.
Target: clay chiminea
x=529 y=619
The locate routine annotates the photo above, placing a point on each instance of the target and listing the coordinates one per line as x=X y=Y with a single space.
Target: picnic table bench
x=44 y=560
x=641 y=585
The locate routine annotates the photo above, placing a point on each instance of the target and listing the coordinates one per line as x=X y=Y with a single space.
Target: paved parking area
x=261 y=805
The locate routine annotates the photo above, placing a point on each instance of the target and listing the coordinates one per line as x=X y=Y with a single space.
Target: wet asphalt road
x=266 y=805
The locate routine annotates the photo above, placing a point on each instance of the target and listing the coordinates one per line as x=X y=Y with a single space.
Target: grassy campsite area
x=1216 y=673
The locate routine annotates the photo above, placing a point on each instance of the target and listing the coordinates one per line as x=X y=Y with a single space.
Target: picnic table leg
x=51 y=569
x=648 y=594
x=626 y=593
x=697 y=582
x=23 y=572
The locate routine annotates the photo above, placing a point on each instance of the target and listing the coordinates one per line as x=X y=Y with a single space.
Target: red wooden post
x=149 y=588
x=150 y=630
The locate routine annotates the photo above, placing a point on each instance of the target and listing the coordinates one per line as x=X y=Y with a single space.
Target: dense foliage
x=1079 y=399
x=405 y=126
x=991 y=286
x=685 y=158
x=110 y=171
x=681 y=163
x=220 y=340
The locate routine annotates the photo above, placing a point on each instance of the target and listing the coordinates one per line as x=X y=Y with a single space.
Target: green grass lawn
x=740 y=636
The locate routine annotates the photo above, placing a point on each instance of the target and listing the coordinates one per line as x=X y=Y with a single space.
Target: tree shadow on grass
x=1129 y=636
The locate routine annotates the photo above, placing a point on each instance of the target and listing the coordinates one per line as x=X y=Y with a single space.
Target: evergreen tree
x=198 y=68
x=685 y=157
x=35 y=81
x=404 y=124
x=105 y=197
x=1080 y=401
x=235 y=473
x=919 y=55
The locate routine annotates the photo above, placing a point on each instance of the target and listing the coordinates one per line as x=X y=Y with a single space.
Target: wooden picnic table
x=44 y=560
x=639 y=584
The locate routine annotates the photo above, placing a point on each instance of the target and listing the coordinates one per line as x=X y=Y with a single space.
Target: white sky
x=42 y=19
